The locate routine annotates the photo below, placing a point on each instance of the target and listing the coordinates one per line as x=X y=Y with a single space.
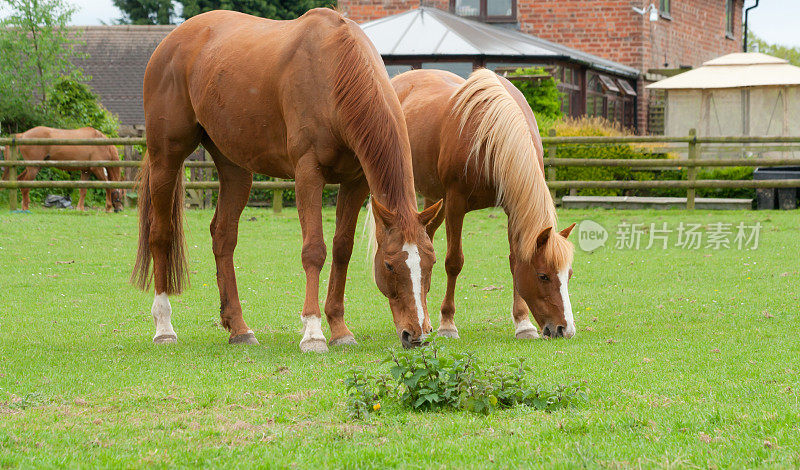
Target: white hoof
x=165 y=339
x=448 y=332
x=348 y=340
x=526 y=330
x=313 y=339
x=313 y=345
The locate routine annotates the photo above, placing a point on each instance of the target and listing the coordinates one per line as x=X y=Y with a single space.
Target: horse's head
x=542 y=282
x=116 y=199
x=403 y=261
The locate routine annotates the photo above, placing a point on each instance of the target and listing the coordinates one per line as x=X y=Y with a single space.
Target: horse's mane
x=500 y=134
x=369 y=126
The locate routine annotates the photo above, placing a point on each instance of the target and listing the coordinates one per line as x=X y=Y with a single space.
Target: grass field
x=690 y=358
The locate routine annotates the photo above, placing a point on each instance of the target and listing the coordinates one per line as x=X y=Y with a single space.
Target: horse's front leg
x=100 y=174
x=234 y=190
x=309 y=184
x=82 y=191
x=523 y=328
x=351 y=197
x=455 y=209
x=28 y=175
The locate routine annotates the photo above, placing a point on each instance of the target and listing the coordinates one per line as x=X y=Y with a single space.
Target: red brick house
x=656 y=37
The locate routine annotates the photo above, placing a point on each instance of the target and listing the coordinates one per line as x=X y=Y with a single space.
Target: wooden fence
x=552 y=143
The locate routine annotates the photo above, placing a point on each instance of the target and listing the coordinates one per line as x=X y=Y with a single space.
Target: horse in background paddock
x=476 y=144
x=307 y=99
x=70 y=153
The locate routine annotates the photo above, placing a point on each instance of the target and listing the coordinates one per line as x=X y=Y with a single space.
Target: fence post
x=692 y=170
x=551 y=170
x=12 y=175
x=277 y=201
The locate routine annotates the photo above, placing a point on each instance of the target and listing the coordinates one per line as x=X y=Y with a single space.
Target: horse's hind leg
x=523 y=328
x=351 y=197
x=234 y=190
x=165 y=164
x=455 y=209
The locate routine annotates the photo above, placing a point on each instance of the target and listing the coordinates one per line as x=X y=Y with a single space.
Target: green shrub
x=424 y=379
x=542 y=95
x=597 y=126
x=731 y=173
x=79 y=107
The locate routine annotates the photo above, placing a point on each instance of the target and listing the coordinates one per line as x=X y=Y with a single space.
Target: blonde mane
x=503 y=152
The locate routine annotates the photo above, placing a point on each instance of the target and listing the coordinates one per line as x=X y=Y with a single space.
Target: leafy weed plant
x=425 y=379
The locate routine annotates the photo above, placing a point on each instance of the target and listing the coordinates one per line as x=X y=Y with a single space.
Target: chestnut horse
x=68 y=153
x=476 y=144
x=307 y=99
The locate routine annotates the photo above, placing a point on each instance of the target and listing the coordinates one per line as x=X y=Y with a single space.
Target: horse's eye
x=544 y=277
x=389 y=267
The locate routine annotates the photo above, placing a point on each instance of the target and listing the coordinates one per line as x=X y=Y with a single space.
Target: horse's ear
x=430 y=213
x=565 y=233
x=543 y=237
x=382 y=214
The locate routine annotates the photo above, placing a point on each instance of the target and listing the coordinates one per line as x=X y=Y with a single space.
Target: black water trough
x=782 y=198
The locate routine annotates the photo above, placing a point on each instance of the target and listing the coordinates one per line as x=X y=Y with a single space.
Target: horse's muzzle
x=409 y=342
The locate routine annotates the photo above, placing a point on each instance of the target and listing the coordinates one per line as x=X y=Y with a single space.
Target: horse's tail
x=176 y=274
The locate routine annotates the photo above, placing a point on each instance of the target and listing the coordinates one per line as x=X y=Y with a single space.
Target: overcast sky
x=777 y=21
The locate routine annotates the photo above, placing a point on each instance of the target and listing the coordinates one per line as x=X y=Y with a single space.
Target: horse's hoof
x=527 y=334
x=247 y=338
x=313 y=345
x=448 y=333
x=348 y=340
x=165 y=339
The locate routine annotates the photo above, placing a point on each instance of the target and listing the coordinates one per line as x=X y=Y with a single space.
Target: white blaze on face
x=162 y=313
x=413 y=262
x=563 y=277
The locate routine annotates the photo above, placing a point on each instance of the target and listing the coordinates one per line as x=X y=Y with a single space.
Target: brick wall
x=611 y=29
x=361 y=11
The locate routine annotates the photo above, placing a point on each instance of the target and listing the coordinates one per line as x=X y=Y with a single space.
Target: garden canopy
x=736 y=94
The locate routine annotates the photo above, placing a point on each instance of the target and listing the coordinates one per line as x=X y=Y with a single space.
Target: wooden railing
x=552 y=143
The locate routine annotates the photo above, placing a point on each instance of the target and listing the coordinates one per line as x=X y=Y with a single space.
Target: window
x=486 y=10
x=462 y=69
x=729 y=18
x=664 y=8
x=393 y=70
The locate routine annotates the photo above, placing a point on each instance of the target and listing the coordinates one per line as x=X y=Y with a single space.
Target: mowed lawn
x=691 y=358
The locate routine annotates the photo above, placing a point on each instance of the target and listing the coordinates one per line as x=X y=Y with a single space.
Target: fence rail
x=552 y=142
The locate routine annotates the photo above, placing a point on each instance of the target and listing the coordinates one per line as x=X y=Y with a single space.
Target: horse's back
x=260 y=89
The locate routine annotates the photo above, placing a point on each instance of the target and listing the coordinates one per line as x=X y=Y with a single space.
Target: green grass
x=690 y=358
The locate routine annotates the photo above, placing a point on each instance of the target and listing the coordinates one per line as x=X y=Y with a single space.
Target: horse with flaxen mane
x=69 y=153
x=307 y=99
x=476 y=144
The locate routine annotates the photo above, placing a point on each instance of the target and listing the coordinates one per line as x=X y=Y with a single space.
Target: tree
x=275 y=9
x=146 y=11
x=756 y=44
x=75 y=103
x=35 y=52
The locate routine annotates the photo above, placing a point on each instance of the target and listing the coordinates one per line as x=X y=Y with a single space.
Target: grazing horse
x=69 y=153
x=307 y=99
x=476 y=144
